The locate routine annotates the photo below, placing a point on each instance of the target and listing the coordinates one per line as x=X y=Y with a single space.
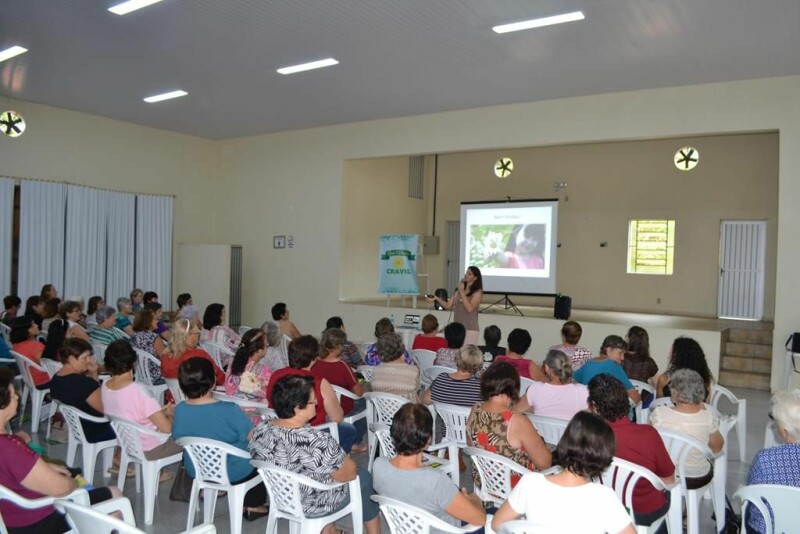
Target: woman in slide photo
x=465 y=303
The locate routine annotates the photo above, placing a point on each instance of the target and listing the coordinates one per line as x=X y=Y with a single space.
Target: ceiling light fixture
x=329 y=62
x=165 y=96
x=538 y=23
x=131 y=5
x=14 y=51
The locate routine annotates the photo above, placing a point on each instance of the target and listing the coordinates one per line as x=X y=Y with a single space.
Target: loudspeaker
x=442 y=294
x=793 y=343
x=563 y=307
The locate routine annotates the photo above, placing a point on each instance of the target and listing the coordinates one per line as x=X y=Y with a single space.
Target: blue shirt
x=775 y=465
x=5 y=350
x=592 y=368
x=221 y=421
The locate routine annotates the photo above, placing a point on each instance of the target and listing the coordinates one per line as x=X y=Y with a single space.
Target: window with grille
x=651 y=246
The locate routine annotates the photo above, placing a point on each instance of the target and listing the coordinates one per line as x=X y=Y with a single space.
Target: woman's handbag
x=181 y=486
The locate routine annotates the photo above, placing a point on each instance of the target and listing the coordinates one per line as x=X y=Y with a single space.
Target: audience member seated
x=571 y=334
x=394 y=375
x=350 y=352
x=779 y=464
x=330 y=367
x=190 y=313
x=493 y=425
x=182 y=346
x=406 y=479
x=25 y=473
x=202 y=416
x=214 y=328
x=280 y=313
x=70 y=311
x=637 y=443
x=105 y=332
x=34 y=307
x=454 y=335
x=148 y=297
x=95 y=303
x=303 y=353
x=462 y=387
x=122 y=397
x=691 y=417
x=11 y=303
x=248 y=373
x=492 y=336
x=429 y=339
x=50 y=313
x=124 y=311
x=560 y=397
x=137 y=300
x=382 y=327
x=686 y=353
x=612 y=352
x=82 y=319
x=289 y=442
x=276 y=358
x=145 y=338
x=23 y=339
x=48 y=292
x=638 y=364
x=519 y=341
x=569 y=501
x=156 y=308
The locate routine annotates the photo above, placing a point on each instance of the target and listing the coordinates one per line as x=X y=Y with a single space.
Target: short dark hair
x=120 y=357
x=148 y=296
x=492 y=335
x=302 y=351
x=608 y=397
x=72 y=347
x=33 y=300
x=19 y=329
x=290 y=392
x=6 y=383
x=383 y=326
x=455 y=334
x=334 y=322
x=51 y=307
x=278 y=310
x=519 y=341
x=430 y=323
x=587 y=446
x=571 y=332
x=500 y=378
x=45 y=290
x=94 y=302
x=613 y=342
x=196 y=377
x=11 y=301
x=412 y=428
x=213 y=315
x=153 y=306
x=183 y=298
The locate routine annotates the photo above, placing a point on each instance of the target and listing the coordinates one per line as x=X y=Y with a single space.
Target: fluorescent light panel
x=14 y=51
x=165 y=96
x=131 y=5
x=309 y=66
x=538 y=23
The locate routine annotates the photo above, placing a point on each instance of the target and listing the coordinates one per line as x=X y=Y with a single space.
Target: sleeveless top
x=461 y=315
x=489 y=431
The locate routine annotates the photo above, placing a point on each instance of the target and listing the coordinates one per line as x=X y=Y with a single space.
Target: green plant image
x=487 y=242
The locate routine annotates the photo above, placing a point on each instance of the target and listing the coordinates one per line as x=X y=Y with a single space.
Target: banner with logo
x=397 y=264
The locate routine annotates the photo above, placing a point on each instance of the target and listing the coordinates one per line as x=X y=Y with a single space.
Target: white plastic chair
x=79 y=495
x=366 y=371
x=285 y=502
x=642 y=413
x=29 y=389
x=99 y=351
x=524 y=384
x=424 y=360
x=738 y=420
x=519 y=526
x=243 y=330
x=142 y=370
x=130 y=435
x=285 y=340
x=550 y=428
x=679 y=445
x=175 y=389
x=433 y=455
x=433 y=371
x=495 y=474
x=210 y=460
x=777 y=505
x=353 y=417
x=381 y=408
x=217 y=352
x=52 y=368
x=455 y=422
x=5 y=333
x=622 y=476
x=406 y=519
x=89 y=451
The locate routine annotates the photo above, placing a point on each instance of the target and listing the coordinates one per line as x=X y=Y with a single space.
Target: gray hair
x=469 y=359
x=687 y=386
x=389 y=347
x=786 y=411
x=104 y=313
x=560 y=365
x=273 y=333
x=123 y=301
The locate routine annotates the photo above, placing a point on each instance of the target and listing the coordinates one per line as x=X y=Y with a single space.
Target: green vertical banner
x=397 y=264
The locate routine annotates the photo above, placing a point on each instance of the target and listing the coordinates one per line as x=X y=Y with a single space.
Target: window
x=651 y=247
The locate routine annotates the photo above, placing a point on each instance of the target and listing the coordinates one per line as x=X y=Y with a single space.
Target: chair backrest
x=679 y=446
x=455 y=421
x=243 y=330
x=25 y=365
x=524 y=384
x=5 y=333
x=175 y=389
x=643 y=386
x=83 y=519
x=781 y=515
x=520 y=526
x=550 y=428
x=383 y=434
x=495 y=474
x=142 y=369
x=423 y=358
x=99 y=350
x=622 y=476
x=51 y=366
x=130 y=434
x=285 y=340
x=42 y=336
x=662 y=401
x=407 y=519
x=435 y=370
x=383 y=406
x=215 y=350
x=73 y=417
x=718 y=392
x=248 y=405
x=366 y=372
x=210 y=459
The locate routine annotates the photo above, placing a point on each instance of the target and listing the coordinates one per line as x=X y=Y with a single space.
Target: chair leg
x=89 y=455
x=72 y=449
x=150 y=476
x=194 y=496
x=272 y=520
x=50 y=418
x=209 y=504
x=108 y=459
x=692 y=512
x=36 y=410
x=741 y=429
x=236 y=507
x=123 y=471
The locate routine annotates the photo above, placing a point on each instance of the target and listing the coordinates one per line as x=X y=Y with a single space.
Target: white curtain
x=120 y=238
x=154 y=245
x=6 y=233
x=85 y=250
x=41 y=237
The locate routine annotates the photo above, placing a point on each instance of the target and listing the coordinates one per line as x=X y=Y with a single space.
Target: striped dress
x=461 y=392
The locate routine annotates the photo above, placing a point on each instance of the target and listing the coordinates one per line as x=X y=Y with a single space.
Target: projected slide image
x=507 y=246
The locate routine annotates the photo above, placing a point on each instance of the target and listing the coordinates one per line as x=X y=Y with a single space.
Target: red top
x=16 y=461
x=522 y=365
x=169 y=366
x=429 y=343
x=642 y=445
x=338 y=373
x=32 y=350
x=321 y=416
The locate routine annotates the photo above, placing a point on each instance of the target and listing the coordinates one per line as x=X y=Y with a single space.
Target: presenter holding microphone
x=465 y=302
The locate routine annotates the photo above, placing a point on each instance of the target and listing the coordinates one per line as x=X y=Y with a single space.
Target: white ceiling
x=398 y=57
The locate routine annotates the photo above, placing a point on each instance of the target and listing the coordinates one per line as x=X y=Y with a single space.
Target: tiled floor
x=170 y=517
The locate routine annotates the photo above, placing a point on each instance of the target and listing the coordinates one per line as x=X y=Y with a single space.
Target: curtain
x=85 y=250
x=6 y=233
x=41 y=237
x=120 y=248
x=154 y=245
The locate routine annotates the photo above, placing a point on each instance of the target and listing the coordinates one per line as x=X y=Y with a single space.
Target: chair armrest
x=346 y=393
x=444 y=444
x=119 y=504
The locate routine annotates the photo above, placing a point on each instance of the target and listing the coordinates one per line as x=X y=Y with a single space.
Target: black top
x=494 y=351
x=73 y=390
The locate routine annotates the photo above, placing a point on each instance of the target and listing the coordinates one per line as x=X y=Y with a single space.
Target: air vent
x=235 y=306
x=416 y=175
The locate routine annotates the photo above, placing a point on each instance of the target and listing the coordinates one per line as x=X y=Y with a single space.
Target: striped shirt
x=461 y=392
x=105 y=336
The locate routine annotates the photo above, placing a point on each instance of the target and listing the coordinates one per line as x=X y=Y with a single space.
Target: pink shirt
x=561 y=402
x=134 y=404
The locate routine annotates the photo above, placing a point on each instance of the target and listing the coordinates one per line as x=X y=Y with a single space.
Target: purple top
x=16 y=461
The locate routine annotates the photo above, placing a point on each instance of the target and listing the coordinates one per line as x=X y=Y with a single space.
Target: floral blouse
x=489 y=431
x=252 y=383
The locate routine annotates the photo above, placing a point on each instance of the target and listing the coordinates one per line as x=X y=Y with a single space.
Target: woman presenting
x=465 y=303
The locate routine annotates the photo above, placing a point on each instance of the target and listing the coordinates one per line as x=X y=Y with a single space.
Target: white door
x=742 y=259
x=452 y=269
